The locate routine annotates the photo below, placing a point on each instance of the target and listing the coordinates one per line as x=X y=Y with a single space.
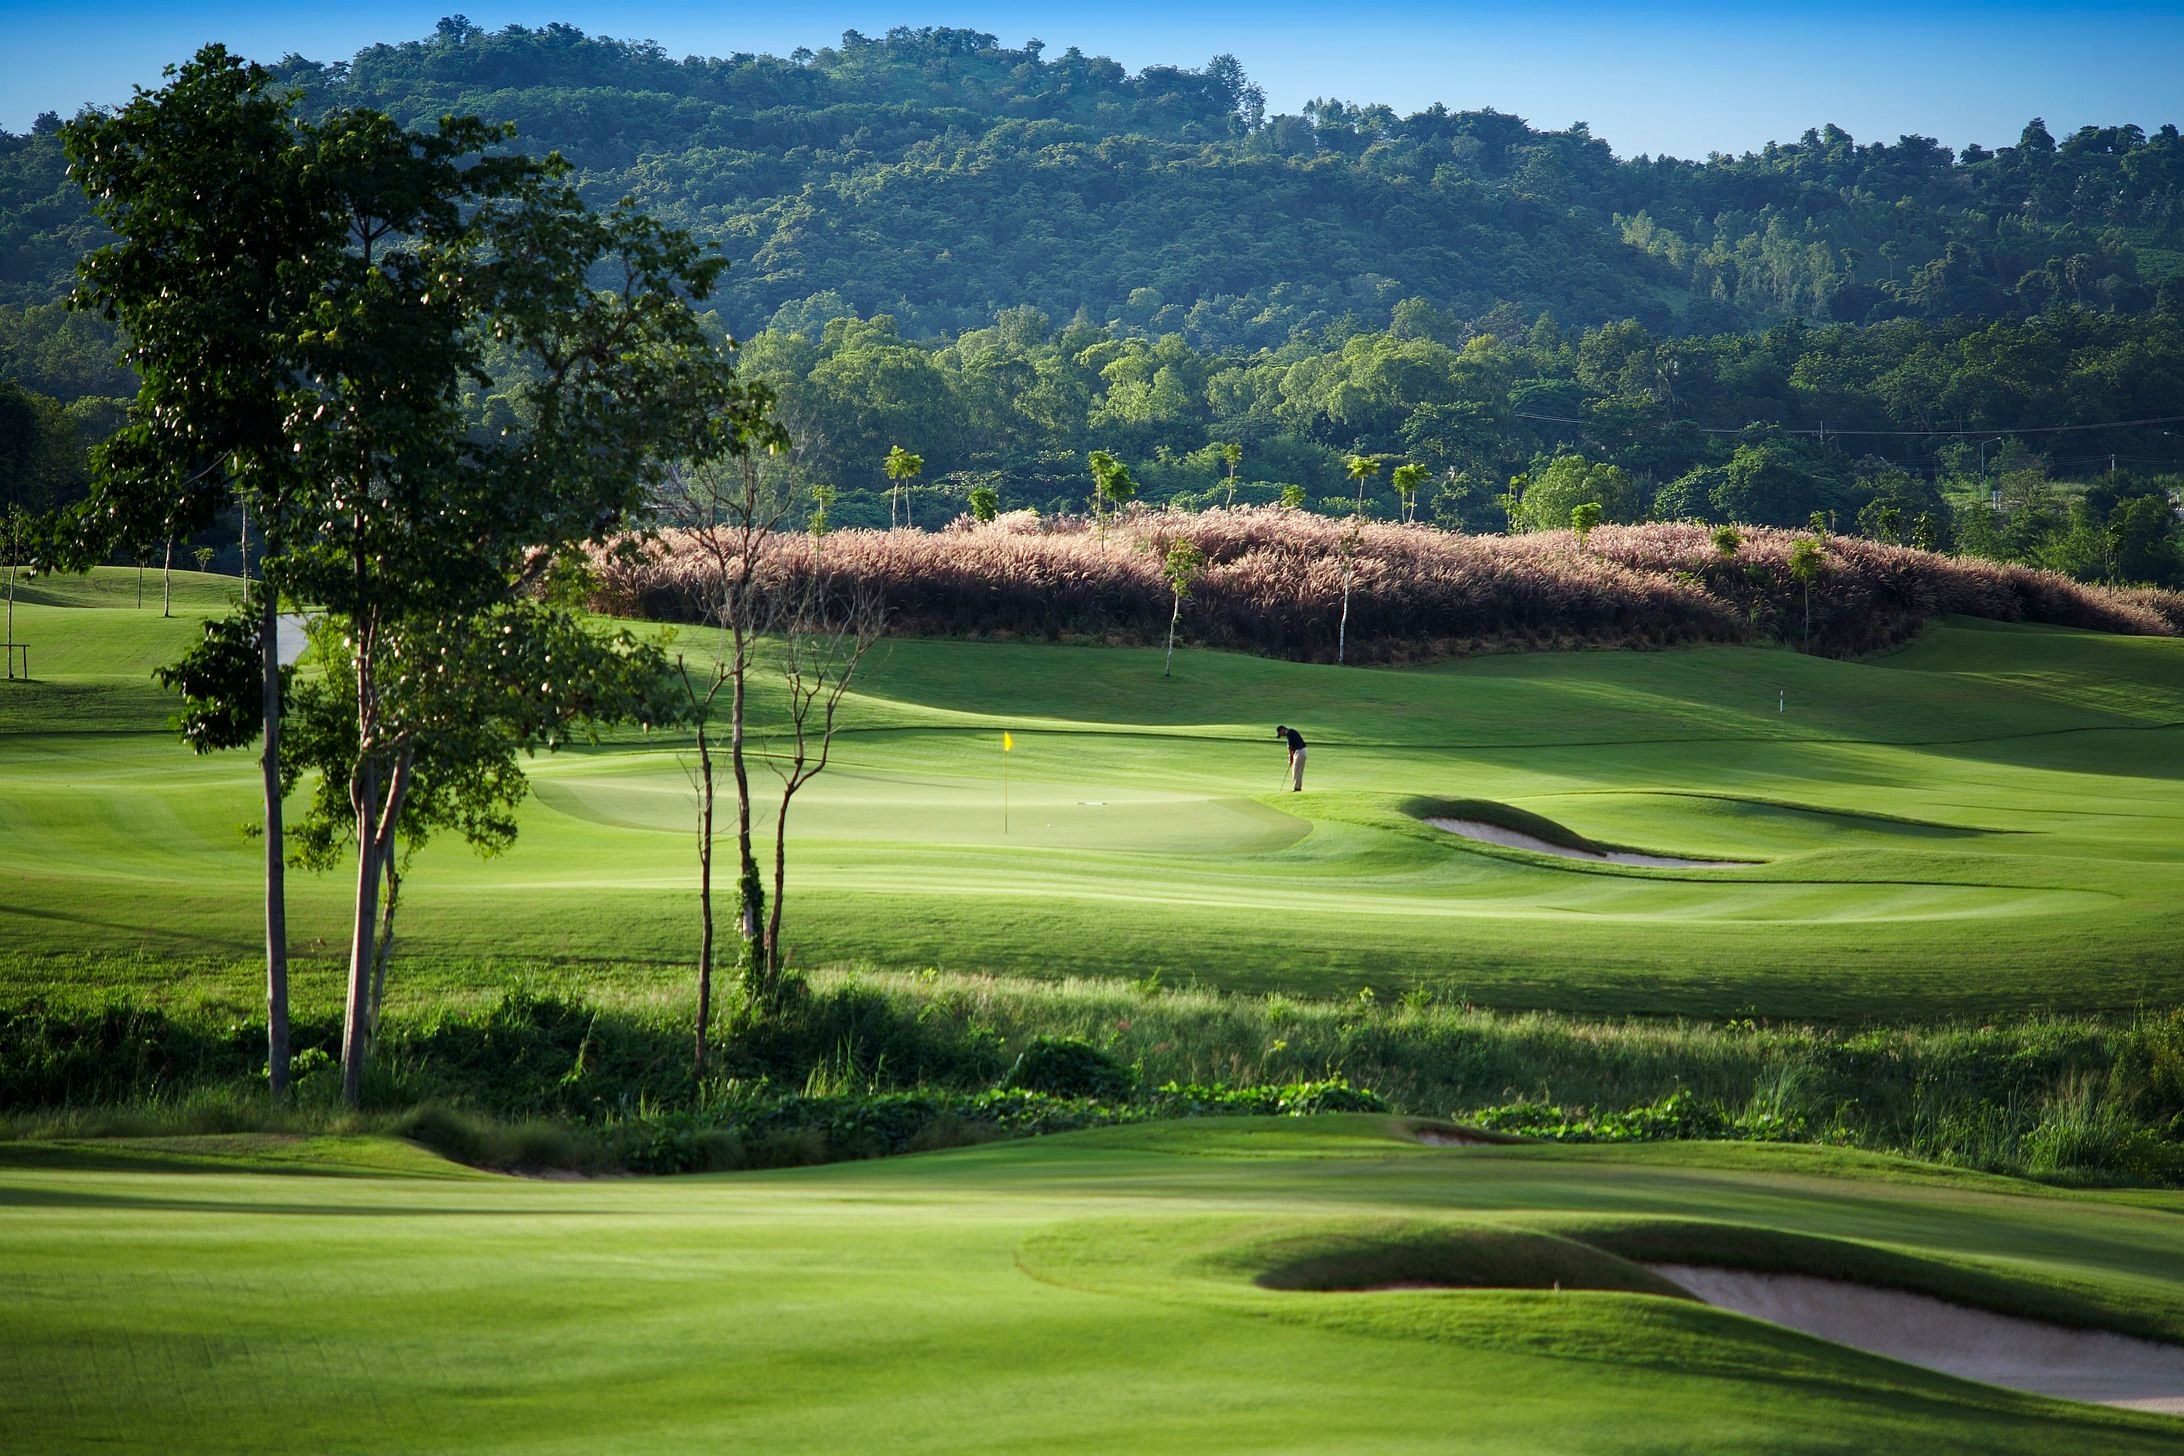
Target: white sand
x=2023 y=1354
x=1487 y=833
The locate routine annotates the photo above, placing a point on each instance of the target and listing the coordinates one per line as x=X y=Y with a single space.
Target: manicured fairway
x=1093 y=1291
x=1987 y=819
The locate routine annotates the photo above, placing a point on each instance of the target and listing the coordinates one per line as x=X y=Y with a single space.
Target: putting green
x=1093 y=1291
x=1986 y=819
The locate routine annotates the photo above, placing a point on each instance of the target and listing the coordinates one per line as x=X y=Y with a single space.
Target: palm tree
x=1360 y=468
x=1805 y=567
x=902 y=467
x=1406 y=478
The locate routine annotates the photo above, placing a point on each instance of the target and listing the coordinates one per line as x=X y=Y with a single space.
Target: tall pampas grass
x=1273 y=585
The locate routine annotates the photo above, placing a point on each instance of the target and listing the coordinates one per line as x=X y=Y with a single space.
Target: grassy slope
x=1985 y=818
x=1076 y=1292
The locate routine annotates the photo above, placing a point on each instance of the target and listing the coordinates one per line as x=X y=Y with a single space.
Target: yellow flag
x=1007 y=743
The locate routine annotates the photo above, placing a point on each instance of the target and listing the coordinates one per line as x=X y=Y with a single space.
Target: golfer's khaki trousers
x=1296 y=769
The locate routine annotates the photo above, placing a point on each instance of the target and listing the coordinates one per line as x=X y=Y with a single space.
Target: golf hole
x=1999 y=1349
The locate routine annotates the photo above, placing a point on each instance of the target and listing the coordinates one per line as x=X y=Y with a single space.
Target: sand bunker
x=1487 y=833
x=2089 y=1365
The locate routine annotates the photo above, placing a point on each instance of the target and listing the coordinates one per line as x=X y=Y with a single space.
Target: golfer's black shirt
x=1296 y=739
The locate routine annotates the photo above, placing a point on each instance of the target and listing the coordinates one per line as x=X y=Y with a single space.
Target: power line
x=1832 y=430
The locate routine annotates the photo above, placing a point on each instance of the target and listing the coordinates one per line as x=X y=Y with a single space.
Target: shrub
x=2151 y=1061
x=1068 y=1067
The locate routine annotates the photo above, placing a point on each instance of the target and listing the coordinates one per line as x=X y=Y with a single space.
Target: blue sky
x=1684 y=79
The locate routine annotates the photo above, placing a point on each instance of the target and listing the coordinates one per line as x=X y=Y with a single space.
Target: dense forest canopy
x=1005 y=257
x=939 y=176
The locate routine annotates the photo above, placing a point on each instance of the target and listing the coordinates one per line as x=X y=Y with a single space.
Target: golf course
x=1179 y=1287
x=1982 y=821
x=1976 y=824
x=942 y=745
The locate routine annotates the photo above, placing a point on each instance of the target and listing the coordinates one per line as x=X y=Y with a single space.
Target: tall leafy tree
x=469 y=269
x=225 y=228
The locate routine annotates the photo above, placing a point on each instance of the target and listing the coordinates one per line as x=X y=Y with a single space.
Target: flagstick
x=1004 y=790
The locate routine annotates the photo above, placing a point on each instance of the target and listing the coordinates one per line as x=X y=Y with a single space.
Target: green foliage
x=1113 y=486
x=1807 y=560
x=1583 y=518
x=2071 y=1099
x=1069 y=1067
x=1407 y=478
x=836 y=181
x=220 y=679
x=1548 y=499
x=985 y=502
x=1182 y=566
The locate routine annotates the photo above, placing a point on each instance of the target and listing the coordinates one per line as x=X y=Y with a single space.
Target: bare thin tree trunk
x=1342 y=628
x=385 y=948
x=749 y=890
x=166 y=582
x=774 y=958
x=276 y=885
x=1167 y=666
x=705 y=894
x=365 y=793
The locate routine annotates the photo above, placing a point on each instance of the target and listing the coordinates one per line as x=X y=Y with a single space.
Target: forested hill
x=941 y=177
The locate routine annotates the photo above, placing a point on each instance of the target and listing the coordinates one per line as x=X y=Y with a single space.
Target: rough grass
x=1274 y=584
x=869 y=1064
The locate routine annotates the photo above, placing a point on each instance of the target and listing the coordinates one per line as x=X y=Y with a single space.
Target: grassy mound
x=1383 y=1253
x=1504 y=816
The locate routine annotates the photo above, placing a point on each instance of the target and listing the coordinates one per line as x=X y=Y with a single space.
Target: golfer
x=1296 y=756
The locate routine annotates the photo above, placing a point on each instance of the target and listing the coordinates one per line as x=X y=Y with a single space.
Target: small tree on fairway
x=1407 y=478
x=204 y=555
x=1182 y=566
x=985 y=503
x=823 y=639
x=729 y=510
x=1232 y=456
x=1806 y=563
x=901 y=467
x=1582 y=520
